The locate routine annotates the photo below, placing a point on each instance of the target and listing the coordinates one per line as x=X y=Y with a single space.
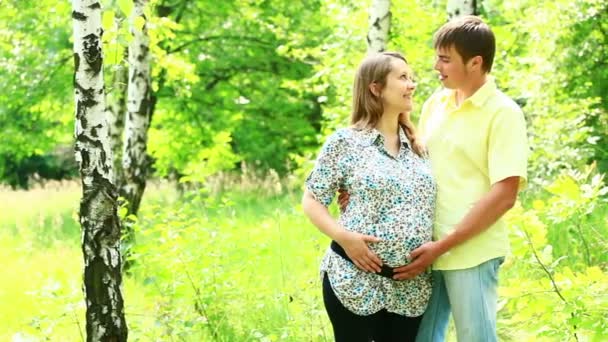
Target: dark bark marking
x=92 y=53
x=144 y=106
x=91 y=144
x=80 y=113
x=87 y=96
x=153 y=100
x=76 y=64
x=377 y=23
x=105 y=164
x=78 y=16
x=86 y=160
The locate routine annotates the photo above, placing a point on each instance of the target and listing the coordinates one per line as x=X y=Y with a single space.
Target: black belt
x=385 y=270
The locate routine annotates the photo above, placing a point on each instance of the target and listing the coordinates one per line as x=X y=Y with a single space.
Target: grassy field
x=242 y=276
x=241 y=265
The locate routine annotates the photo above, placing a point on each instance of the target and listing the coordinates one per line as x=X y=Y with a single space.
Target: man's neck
x=469 y=89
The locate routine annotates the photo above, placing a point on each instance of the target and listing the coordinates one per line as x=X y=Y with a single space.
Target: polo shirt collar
x=479 y=98
x=484 y=93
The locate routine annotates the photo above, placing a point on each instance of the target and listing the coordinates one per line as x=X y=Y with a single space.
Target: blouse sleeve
x=329 y=171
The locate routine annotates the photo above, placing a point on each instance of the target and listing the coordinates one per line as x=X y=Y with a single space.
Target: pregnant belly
x=399 y=236
x=395 y=252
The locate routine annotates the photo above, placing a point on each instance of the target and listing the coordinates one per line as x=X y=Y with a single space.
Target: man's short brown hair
x=471 y=37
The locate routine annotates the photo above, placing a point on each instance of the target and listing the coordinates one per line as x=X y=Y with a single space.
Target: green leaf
x=139 y=23
x=565 y=186
x=122 y=212
x=113 y=53
x=126 y=6
x=107 y=20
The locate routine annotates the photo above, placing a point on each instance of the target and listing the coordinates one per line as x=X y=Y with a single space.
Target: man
x=476 y=140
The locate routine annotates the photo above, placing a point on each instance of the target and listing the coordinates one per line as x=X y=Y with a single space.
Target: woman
x=390 y=209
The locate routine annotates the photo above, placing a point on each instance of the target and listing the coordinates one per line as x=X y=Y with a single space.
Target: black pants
x=382 y=326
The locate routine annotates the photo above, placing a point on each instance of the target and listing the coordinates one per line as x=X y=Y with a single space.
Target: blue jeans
x=471 y=296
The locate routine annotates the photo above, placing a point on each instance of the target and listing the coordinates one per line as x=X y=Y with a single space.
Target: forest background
x=242 y=93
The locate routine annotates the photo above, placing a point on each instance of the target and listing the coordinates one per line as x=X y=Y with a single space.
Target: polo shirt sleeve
x=329 y=170
x=508 y=146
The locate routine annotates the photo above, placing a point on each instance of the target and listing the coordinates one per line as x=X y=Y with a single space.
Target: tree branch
x=550 y=276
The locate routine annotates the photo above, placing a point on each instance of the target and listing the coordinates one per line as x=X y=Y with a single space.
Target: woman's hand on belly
x=355 y=246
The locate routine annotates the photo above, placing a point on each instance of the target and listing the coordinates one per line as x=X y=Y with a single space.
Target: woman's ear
x=375 y=89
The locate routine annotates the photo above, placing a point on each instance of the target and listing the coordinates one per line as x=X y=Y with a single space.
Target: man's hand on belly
x=343 y=199
x=422 y=258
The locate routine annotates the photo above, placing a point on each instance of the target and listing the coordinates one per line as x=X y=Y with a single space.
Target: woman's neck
x=388 y=125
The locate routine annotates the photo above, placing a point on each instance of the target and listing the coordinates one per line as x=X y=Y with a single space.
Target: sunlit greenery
x=251 y=87
x=241 y=265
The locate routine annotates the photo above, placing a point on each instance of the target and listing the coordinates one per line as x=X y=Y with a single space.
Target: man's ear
x=476 y=62
x=375 y=89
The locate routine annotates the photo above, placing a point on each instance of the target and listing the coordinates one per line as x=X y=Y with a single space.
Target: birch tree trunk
x=139 y=108
x=105 y=319
x=379 y=25
x=457 y=8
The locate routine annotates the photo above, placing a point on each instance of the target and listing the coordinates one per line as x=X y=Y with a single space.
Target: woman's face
x=399 y=88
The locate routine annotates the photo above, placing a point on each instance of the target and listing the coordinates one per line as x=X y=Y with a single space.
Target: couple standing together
x=415 y=198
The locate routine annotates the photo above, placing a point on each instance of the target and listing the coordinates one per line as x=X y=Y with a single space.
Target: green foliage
x=265 y=86
x=231 y=268
x=218 y=73
x=35 y=76
x=549 y=63
x=261 y=83
x=239 y=262
x=546 y=59
x=555 y=288
x=228 y=86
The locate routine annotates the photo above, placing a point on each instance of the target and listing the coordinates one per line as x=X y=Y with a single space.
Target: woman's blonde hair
x=367 y=107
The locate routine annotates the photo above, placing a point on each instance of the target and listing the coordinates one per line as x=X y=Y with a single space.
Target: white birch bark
x=458 y=8
x=105 y=320
x=379 y=25
x=139 y=107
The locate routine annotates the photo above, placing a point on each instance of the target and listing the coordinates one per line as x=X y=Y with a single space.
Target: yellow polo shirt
x=471 y=147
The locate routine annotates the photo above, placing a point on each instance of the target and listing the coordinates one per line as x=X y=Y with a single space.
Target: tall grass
x=238 y=265
x=239 y=262
x=40 y=291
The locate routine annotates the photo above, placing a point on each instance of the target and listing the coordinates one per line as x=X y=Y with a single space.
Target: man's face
x=453 y=72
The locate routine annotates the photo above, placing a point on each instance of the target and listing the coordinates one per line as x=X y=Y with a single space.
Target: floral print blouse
x=392 y=198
